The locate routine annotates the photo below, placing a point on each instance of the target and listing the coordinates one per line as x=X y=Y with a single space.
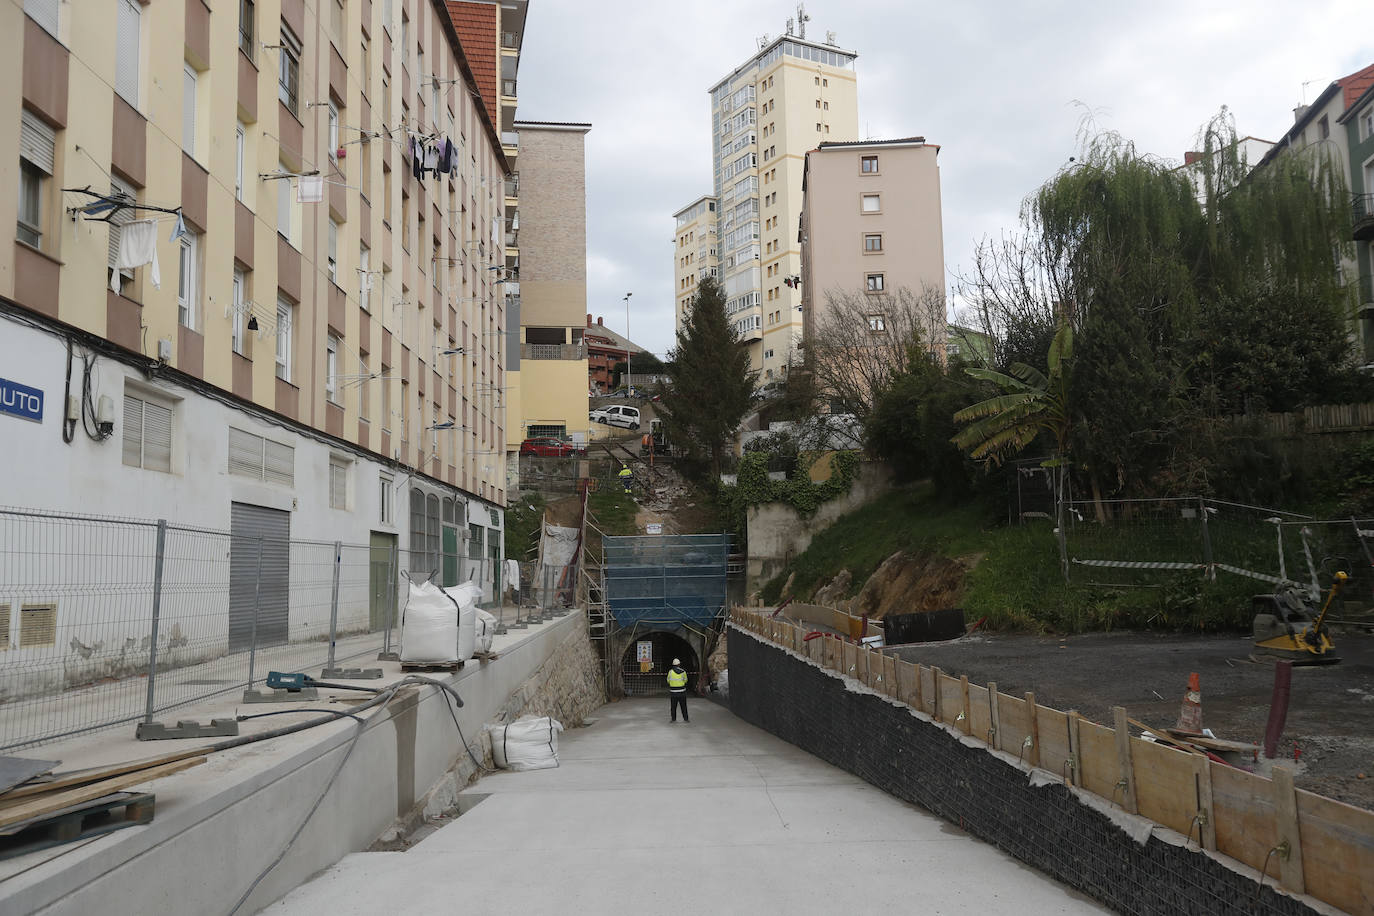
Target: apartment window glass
x=331 y=367
x=117 y=223
x=877 y=323
x=873 y=242
x=868 y=165
x=285 y=312
x=247 y=19
x=188 y=109
x=333 y=251
x=188 y=278
x=289 y=70
x=37 y=152
x=147 y=434
x=874 y=283
x=1367 y=123
x=338 y=482
x=364 y=394
x=385 y=377
x=333 y=132
x=364 y=278
x=127 y=50
x=405 y=40
x=240 y=305
x=872 y=203
x=385 y=510
x=336 y=21
x=43 y=12
x=240 y=143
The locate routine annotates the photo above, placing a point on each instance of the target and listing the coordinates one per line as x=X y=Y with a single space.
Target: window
x=336 y=21
x=385 y=377
x=261 y=459
x=117 y=224
x=333 y=150
x=285 y=312
x=331 y=367
x=875 y=283
x=247 y=28
x=872 y=203
x=873 y=242
x=37 y=152
x=365 y=168
x=147 y=434
x=188 y=279
x=364 y=394
x=188 y=109
x=1367 y=123
x=364 y=277
x=475 y=535
x=877 y=323
x=43 y=12
x=338 y=482
x=288 y=71
x=240 y=305
x=385 y=510
x=868 y=165
x=128 y=50
x=240 y=142
x=1324 y=127
x=405 y=40
x=37 y=625
x=333 y=254
x=289 y=217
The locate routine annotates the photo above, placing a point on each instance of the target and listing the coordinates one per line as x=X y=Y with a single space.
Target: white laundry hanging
x=137 y=246
x=309 y=189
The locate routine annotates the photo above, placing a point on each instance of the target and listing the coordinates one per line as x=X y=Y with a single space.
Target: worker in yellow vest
x=626 y=476
x=677 y=691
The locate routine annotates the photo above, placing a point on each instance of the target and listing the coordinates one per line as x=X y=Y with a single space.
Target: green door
x=381 y=579
x=450 y=556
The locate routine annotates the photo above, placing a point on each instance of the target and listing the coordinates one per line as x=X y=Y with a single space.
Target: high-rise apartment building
x=766 y=114
x=268 y=236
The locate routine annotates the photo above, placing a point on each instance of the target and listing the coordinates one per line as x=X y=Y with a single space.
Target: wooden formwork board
x=1054 y=739
x=951 y=699
x=927 y=690
x=907 y=673
x=1166 y=787
x=1338 y=853
x=1012 y=726
x=890 y=682
x=850 y=660
x=1098 y=764
x=1244 y=815
x=979 y=717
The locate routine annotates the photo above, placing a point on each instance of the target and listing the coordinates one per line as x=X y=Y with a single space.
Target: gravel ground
x=1330 y=716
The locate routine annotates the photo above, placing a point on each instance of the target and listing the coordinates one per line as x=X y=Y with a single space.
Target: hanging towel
x=179 y=230
x=417 y=155
x=137 y=246
x=513 y=574
x=309 y=189
x=364 y=280
x=431 y=157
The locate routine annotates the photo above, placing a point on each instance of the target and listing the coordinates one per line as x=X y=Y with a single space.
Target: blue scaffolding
x=666 y=580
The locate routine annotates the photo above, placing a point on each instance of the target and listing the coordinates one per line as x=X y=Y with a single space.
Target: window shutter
x=188 y=110
x=157 y=437
x=43 y=12
x=127 y=51
x=37 y=142
x=133 y=431
x=245 y=453
x=338 y=483
x=37 y=625
x=279 y=463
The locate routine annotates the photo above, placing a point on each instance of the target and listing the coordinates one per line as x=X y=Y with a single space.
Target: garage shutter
x=250 y=525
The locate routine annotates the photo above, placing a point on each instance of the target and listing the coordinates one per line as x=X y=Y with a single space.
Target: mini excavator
x=1286 y=628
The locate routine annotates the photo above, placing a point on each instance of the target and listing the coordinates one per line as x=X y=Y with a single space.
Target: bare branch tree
x=1010 y=296
x=861 y=341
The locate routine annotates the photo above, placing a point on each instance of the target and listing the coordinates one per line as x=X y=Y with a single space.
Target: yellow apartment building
x=257 y=280
x=695 y=253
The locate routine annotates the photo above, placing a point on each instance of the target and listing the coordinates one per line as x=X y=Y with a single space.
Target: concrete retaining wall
x=1123 y=861
x=218 y=825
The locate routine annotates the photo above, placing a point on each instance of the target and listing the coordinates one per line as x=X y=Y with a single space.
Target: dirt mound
x=911 y=583
x=566 y=512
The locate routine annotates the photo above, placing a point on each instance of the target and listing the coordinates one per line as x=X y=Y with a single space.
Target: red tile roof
x=476 y=24
x=1354 y=85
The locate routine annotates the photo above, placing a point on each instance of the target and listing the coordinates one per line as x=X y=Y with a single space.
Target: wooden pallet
x=437 y=666
x=486 y=656
x=76 y=822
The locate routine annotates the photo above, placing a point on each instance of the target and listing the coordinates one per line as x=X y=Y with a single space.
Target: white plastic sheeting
x=528 y=743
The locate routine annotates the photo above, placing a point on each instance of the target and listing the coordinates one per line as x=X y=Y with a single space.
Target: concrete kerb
x=218 y=825
x=1139 y=829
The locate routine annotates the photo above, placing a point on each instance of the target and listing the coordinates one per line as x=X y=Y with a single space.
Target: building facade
x=695 y=253
x=269 y=234
x=766 y=114
x=871 y=228
x=1358 y=124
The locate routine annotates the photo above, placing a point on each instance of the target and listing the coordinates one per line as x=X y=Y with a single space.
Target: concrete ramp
x=711 y=816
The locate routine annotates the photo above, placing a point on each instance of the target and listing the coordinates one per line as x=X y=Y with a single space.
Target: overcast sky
x=1001 y=86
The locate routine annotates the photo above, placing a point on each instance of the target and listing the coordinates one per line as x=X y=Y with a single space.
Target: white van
x=617 y=415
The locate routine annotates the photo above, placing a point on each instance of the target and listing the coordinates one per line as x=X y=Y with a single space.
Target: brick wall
x=1046 y=826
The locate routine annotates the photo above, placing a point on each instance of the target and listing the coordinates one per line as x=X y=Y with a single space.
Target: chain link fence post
x=392 y=564
x=253 y=628
x=334 y=606
x=157 y=614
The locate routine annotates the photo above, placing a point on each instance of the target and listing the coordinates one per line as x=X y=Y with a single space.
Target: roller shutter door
x=248 y=525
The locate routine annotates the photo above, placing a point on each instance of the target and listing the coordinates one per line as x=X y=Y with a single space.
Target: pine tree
x=710 y=386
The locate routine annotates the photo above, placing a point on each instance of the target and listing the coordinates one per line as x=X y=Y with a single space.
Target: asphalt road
x=1330 y=716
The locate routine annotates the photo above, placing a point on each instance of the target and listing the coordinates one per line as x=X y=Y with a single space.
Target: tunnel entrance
x=664 y=647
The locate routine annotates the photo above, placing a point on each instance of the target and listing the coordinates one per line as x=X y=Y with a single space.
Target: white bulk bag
x=528 y=743
x=486 y=629
x=430 y=627
x=467 y=620
x=469 y=591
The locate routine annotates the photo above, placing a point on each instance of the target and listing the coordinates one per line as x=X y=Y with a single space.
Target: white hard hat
x=676 y=662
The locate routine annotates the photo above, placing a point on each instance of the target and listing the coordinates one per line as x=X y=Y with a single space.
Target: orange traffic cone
x=1190 y=715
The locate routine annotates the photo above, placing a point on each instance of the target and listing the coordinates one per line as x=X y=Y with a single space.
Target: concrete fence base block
x=156 y=731
x=305 y=694
x=351 y=674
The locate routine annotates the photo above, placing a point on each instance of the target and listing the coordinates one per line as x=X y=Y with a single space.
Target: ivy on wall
x=754 y=488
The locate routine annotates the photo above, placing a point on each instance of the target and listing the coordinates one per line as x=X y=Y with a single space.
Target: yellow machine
x=1284 y=627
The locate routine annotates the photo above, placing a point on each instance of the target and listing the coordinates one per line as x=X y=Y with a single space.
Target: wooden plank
x=57 y=800
x=1338 y=857
x=994 y=720
x=937 y=694
x=1012 y=726
x=1032 y=730
x=1164 y=784
x=1243 y=805
x=1075 y=759
x=1212 y=744
x=1098 y=766
x=890 y=674
x=967 y=712
x=1124 y=759
x=919 y=694
x=94 y=774
x=1054 y=746
x=1286 y=827
x=976 y=721
x=848 y=660
x=1202 y=786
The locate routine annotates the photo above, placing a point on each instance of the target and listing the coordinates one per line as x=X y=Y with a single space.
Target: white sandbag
x=430 y=627
x=528 y=743
x=467 y=620
x=486 y=630
x=469 y=591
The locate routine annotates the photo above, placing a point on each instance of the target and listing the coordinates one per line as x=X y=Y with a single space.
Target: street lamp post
x=629 y=388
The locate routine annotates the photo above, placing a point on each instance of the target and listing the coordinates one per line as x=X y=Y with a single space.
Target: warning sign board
x=644 y=650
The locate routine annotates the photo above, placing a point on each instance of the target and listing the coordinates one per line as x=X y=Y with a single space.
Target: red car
x=549 y=447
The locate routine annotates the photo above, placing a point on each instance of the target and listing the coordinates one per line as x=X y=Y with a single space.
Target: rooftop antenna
x=763 y=41
x=789 y=26
x=802 y=19
x=830 y=39
x=1305 y=84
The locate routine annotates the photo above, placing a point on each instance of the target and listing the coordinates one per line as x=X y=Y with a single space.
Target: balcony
x=1362 y=216
x=575 y=352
